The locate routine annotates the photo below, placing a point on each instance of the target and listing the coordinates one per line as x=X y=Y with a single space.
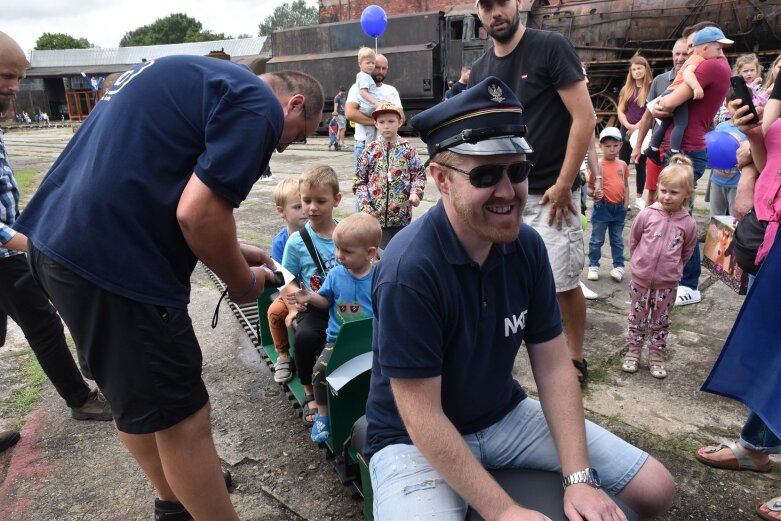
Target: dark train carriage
x=426 y=49
x=422 y=49
x=607 y=33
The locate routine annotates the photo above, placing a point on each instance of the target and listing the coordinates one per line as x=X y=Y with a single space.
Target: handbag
x=749 y=235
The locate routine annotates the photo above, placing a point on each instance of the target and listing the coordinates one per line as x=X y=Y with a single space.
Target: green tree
x=174 y=28
x=295 y=14
x=51 y=41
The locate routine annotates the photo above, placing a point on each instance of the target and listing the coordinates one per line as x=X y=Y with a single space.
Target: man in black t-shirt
x=544 y=70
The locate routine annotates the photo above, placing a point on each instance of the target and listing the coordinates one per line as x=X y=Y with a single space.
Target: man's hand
x=635 y=157
x=256 y=257
x=698 y=93
x=744 y=154
x=414 y=200
x=262 y=276
x=518 y=513
x=583 y=502
x=560 y=199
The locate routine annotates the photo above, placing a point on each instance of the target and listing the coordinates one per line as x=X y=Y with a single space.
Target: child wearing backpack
x=309 y=256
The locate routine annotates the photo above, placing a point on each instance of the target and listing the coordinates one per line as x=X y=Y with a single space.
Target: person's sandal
x=631 y=362
x=310 y=409
x=656 y=366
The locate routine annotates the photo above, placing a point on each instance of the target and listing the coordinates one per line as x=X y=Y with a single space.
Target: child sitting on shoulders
x=662 y=240
x=707 y=45
x=367 y=88
x=309 y=256
x=280 y=315
x=389 y=176
x=347 y=294
x=610 y=191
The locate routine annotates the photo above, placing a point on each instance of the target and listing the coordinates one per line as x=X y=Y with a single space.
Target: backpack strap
x=310 y=246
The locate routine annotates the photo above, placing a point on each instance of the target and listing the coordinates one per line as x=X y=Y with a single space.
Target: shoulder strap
x=312 y=250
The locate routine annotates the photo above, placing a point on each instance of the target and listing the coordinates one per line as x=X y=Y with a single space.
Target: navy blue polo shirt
x=438 y=313
x=107 y=208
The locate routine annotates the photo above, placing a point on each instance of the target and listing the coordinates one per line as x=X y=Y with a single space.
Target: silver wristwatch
x=588 y=476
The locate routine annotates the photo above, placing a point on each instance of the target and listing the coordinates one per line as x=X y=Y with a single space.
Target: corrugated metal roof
x=85 y=58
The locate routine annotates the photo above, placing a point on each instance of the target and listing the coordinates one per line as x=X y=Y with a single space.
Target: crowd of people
x=454 y=293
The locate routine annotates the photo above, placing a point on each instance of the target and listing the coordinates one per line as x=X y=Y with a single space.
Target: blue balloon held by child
x=374 y=21
x=722 y=150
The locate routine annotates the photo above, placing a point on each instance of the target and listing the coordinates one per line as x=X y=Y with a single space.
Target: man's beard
x=378 y=78
x=505 y=35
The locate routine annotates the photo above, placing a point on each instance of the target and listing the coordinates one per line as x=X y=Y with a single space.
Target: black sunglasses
x=485 y=176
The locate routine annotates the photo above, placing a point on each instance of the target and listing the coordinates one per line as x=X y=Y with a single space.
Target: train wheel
x=606 y=110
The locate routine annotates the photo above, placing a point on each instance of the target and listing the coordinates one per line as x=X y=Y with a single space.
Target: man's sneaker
x=593 y=273
x=617 y=273
x=8 y=439
x=639 y=203
x=687 y=296
x=171 y=511
x=95 y=408
x=653 y=155
x=282 y=371
x=587 y=293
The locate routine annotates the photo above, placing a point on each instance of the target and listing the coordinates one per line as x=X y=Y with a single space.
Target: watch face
x=595 y=478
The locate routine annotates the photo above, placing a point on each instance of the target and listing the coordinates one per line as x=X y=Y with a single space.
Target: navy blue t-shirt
x=438 y=313
x=107 y=207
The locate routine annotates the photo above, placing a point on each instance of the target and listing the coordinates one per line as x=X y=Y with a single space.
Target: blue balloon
x=374 y=21
x=722 y=150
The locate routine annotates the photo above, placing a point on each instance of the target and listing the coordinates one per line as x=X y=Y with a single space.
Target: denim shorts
x=406 y=487
x=565 y=246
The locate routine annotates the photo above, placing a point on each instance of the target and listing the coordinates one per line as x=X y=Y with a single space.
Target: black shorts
x=145 y=358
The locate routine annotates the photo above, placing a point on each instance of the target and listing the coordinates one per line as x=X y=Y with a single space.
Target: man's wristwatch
x=588 y=476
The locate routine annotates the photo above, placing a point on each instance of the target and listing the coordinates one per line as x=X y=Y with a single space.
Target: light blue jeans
x=406 y=487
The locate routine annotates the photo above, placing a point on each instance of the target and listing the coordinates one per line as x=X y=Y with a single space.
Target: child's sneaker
x=653 y=155
x=617 y=273
x=321 y=429
x=593 y=273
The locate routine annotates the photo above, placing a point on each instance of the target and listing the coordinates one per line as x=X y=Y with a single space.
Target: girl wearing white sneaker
x=662 y=240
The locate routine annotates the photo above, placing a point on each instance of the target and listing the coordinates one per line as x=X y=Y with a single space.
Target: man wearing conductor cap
x=455 y=295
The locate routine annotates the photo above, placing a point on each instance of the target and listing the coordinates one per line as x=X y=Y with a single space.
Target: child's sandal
x=656 y=367
x=631 y=363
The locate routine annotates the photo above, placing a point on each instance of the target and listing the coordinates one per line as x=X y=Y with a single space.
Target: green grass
x=26 y=180
x=25 y=399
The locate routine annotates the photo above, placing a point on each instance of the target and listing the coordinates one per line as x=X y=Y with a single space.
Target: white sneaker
x=593 y=273
x=587 y=293
x=687 y=296
x=639 y=203
x=617 y=273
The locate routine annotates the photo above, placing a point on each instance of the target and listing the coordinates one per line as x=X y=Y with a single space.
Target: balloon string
x=375 y=45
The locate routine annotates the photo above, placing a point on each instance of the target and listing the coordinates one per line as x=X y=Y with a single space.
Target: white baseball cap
x=612 y=132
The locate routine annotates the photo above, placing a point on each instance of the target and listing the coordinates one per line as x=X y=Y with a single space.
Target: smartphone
x=744 y=93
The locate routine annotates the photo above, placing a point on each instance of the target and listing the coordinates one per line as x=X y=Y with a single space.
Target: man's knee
x=651 y=491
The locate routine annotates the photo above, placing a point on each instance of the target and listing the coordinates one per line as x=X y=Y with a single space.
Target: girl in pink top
x=662 y=240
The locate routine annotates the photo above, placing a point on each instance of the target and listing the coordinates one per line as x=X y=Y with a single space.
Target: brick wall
x=343 y=10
